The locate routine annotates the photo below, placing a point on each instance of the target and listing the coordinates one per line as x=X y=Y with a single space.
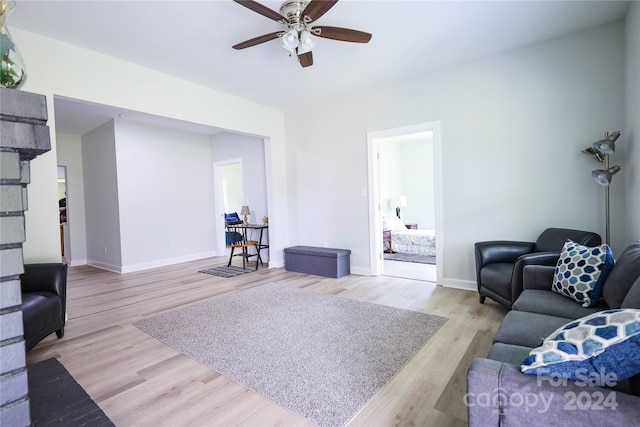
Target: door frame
x=375 y=217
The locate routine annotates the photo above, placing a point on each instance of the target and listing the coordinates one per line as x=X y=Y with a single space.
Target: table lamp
x=245 y=211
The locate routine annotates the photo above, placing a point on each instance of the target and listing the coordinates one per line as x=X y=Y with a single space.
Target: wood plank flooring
x=138 y=381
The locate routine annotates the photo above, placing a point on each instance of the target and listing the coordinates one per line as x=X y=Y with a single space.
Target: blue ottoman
x=326 y=262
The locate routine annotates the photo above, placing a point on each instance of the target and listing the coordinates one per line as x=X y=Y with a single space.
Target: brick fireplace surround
x=23 y=136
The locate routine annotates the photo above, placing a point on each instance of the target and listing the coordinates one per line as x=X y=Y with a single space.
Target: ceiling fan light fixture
x=290 y=41
x=306 y=43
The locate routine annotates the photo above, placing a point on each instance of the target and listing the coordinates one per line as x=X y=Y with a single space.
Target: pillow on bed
x=392 y=223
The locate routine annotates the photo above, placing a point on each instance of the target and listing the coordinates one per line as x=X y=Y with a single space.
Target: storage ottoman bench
x=326 y=262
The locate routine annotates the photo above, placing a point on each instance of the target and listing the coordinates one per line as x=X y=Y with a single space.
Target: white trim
x=467 y=285
x=165 y=262
x=373 y=141
x=77 y=262
x=104 y=266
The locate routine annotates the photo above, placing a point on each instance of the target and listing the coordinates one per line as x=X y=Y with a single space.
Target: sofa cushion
x=508 y=353
x=581 y=271
x=623 y=275
x=553 y=304
x=601 y=346
x=632 y=300
x=527 y=329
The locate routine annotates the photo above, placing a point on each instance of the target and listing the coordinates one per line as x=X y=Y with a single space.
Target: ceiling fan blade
x=342 y=34
x=306 y=59
x=316 y=8
x=262 y=10
x=257 y=40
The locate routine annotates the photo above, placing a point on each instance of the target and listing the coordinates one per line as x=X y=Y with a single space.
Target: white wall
x=102 y=213
x=513 y=126
x=226 y=146
x=85 y=75
x=69 y=150
x=406 y=168
x=418 y=181
x=629 y=181
x=232 y=187
x=390 y=176
x=165 y=183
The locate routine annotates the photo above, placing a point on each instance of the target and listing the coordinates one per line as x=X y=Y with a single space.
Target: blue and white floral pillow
x=603 y=343
x=581 y=271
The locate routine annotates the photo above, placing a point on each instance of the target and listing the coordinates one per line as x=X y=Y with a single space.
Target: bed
x=408 y=241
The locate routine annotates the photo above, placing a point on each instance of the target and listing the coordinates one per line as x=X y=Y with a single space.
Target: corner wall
x=89 y=76
x=513 y=126
x=631 y=132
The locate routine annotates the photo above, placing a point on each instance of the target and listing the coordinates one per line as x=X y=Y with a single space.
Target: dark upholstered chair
x=499 y=263
x=44 y=301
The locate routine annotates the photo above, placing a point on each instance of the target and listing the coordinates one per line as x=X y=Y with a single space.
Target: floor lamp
x=600 y=152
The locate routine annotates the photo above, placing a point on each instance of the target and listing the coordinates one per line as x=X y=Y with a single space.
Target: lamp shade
x=597 y=155
x=403 y=201
x=306 y=43
x=245 y=210
x=604 y=176
x=290 y=41
x=607 y=145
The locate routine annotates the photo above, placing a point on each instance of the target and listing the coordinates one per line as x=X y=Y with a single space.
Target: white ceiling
x=193 y=39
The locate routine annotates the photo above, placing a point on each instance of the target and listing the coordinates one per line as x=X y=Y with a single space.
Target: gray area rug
x=225 y=271
x=320 y=356
x=420 y=259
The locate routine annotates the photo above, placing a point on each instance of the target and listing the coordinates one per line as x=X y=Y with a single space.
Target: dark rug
x=56 y=399
x=320 y=356
x=420 y=259
x=226 y=271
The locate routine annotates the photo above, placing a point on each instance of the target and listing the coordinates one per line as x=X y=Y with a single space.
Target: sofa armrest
x=540 y=258
x=499 y=394
x=46 y=277
x=535 y=258
x=483 y=376
x=538 y=277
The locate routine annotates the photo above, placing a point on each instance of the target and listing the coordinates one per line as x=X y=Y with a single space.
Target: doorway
x=63 y=211
x=229 y=195
x=404 y=184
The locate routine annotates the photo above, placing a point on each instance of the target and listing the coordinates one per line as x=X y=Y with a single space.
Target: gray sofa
x=500 y=395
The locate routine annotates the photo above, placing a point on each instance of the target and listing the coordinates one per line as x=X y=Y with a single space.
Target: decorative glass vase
x=12 y=73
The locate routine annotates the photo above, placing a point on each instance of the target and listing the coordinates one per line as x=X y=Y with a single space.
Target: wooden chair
x=238 y=236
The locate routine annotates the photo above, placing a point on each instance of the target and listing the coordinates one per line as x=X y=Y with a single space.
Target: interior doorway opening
x=229 y=194
x=405 y=204
x=65 y=241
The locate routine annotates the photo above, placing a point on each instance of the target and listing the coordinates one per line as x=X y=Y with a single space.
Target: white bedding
x=414 y=242
x=409 y=241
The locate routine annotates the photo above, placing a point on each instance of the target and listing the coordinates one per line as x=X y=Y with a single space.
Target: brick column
x=23 y=136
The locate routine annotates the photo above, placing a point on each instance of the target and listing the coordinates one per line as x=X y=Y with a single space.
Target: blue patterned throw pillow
x=602 y=345
x=581 y=272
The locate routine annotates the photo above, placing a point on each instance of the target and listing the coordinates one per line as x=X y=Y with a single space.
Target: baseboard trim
x=468 y=285
x=104 y=266
x=165 y=262
x=148 y=265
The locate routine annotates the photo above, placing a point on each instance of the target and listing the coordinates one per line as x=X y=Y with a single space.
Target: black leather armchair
x=499 y=263
x=44 y=301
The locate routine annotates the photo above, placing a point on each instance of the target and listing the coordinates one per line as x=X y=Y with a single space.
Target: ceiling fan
x=298 y=16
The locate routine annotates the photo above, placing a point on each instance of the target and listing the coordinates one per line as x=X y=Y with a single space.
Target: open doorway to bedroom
x=404 y=177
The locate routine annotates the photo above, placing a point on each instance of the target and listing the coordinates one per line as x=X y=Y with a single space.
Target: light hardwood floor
x=138 y=381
